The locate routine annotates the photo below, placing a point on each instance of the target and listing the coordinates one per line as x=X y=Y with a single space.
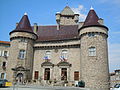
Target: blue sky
x=43 y=13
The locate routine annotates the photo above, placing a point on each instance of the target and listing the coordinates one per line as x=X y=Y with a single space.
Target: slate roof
x=65 y=32
x=92 y=20
x=23 y=25
x=48 y=33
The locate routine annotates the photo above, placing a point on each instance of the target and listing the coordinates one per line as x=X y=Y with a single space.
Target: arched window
x=21 y=54
x=64 y=54
x=92 y=51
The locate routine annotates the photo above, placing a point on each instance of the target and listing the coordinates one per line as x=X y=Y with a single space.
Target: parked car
x=116 y=87
x=3 y=82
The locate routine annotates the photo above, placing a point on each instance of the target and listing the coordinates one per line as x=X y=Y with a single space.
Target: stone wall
x=73 y=59
x=14 y=61
x=94 y=68
x=4 y=58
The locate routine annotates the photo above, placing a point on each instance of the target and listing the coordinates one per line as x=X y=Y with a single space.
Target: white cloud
x=80 y=11
x=114 y=56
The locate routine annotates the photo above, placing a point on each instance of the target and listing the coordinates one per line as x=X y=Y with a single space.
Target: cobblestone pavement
x=42 y=88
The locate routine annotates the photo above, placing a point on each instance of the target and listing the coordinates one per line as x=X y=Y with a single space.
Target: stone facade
x=98 y=77
x=63 y=54
x=67 y=17
x=4 y=54
x=115 y=78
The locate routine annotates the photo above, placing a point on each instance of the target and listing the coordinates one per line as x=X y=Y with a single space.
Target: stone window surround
x=92 y=51
x=21 y=54
x=4 y=53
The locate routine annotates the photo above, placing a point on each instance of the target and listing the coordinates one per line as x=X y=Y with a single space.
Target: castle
x=69 y=51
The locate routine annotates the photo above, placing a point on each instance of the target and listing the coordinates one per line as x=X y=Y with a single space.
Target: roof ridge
x=56 y=25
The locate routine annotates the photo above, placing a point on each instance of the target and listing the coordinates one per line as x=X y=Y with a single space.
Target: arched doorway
x=20 y=78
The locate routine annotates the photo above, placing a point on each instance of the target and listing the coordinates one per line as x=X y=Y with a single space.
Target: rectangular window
x=36 y=74
x=4 y=64
x=21 y=54
x=64 y=74
x=5 y=53
x=92 y=51
x=76 y=75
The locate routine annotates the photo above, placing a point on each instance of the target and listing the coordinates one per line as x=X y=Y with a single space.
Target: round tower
x=21 y=51
x=94 y=53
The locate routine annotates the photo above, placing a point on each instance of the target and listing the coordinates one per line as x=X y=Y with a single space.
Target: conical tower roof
x=23 y=25
x=91 y=19
x=67 y=11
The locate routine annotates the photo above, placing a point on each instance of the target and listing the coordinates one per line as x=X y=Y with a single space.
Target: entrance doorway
x=20 y=77
x=64 y=74
x=47 y=74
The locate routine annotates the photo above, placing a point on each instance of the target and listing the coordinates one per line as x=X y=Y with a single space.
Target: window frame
x=22 y=54
x=36 y=75
x=76 y=75
x=92 y=51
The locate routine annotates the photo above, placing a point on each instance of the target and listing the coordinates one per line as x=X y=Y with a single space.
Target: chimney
x=17 y=24
x=101 y=21
x=35 y=28
x=58 y=20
